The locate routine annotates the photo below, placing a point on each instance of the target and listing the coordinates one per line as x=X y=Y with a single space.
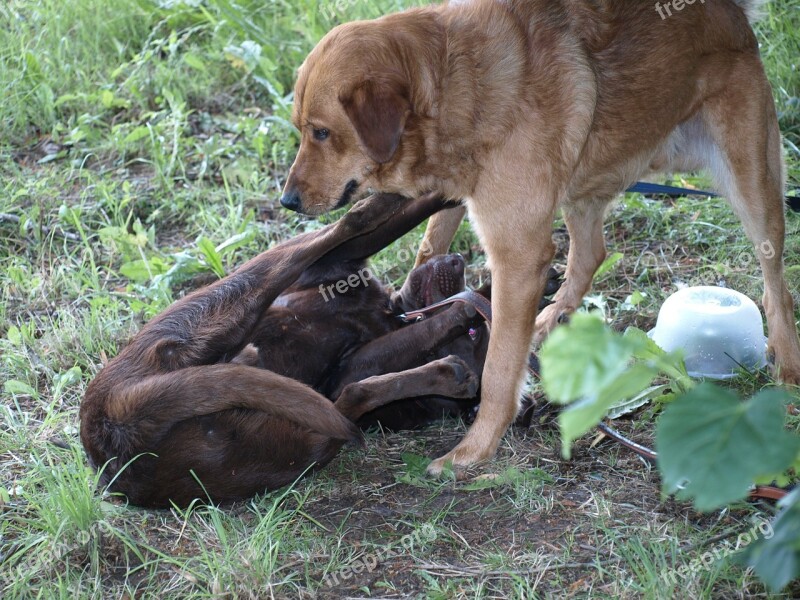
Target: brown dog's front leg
x=450 y=377
x=413 y=214
x=408 y=347
x=216 y=322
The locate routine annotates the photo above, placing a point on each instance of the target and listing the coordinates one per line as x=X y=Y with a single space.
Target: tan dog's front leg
x=520 y=260
x=439 y=234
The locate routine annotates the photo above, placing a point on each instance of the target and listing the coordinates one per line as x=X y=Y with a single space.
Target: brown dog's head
x=436 y=280
x=357 y=94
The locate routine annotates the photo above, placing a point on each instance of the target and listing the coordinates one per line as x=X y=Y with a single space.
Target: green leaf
x=582 y=357
x=213 y=258
x=19 y=388
x=236 y=241
x=107 y=98
x=671 y=363
x=493 y=480
x=14 y=335
x=415 y=473
x=415 y=464
x=628 y=405
x=775 y=556
x=712 y=447
x=138 y=133
x=510 y=476
x=590 y=364
x=633 y=300
x=194 y=61
x=584 y=414
x=141 y=271
x=64 y=380
x=608 y=264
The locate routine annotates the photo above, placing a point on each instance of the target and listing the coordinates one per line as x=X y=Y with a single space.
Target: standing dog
x=524 y=106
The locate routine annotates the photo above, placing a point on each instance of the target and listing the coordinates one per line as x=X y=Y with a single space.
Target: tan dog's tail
x=136 y=417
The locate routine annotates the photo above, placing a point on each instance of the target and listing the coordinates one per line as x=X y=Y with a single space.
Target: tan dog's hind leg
x=746 y=162
x=518 y=240
x=587 y=250
x=439 y=234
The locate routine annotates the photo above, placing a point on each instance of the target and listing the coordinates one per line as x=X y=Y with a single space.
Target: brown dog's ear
x=378 y=109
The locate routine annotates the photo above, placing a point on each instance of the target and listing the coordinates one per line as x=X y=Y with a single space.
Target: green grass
x=142 y=145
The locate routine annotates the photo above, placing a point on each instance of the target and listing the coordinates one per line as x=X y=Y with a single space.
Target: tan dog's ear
x=378 y=109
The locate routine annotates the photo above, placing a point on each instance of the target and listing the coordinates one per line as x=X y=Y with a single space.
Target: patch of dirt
x=553 y=530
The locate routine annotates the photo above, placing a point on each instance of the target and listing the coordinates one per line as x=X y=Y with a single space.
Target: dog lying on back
x=228 y=393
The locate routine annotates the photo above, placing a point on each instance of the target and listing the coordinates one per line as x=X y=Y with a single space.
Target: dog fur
x=228 y=392
x=521 y=107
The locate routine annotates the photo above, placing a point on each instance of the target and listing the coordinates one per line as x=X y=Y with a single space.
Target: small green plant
x=712 y=446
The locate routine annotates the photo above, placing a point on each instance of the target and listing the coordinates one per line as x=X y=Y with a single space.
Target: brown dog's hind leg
x=587 y=250
x=414 y=213
x=408 y=347
x=449 y=377
x=747 y=165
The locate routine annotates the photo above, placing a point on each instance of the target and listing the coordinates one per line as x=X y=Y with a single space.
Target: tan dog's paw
x=460 y=458
x=785 y=359
x=788 y=375
x=547 y=320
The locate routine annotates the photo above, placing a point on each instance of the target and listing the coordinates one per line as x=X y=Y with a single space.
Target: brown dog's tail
x=134 y=418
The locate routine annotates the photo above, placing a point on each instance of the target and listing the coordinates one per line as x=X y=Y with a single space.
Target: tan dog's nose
x=291 y=199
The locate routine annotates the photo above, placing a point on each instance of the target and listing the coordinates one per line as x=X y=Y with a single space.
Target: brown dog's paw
x=462 y=381
x=369 y=213
x=553 y=283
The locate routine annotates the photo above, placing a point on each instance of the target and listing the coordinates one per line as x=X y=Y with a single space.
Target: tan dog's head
x=357 y=94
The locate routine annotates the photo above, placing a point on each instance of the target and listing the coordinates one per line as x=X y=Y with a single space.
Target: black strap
x=655 y=189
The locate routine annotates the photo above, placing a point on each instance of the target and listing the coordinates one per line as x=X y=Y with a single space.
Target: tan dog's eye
x=321 y=134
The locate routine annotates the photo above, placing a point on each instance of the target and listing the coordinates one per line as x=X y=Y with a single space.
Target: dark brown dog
x=226 y=394
x=525 y=107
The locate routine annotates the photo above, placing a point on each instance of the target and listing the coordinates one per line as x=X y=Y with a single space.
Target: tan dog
x=522 y=107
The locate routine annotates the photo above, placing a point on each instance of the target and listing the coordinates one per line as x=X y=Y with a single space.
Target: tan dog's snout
x=345 y=143
x=291 y=198
x=294 y=199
